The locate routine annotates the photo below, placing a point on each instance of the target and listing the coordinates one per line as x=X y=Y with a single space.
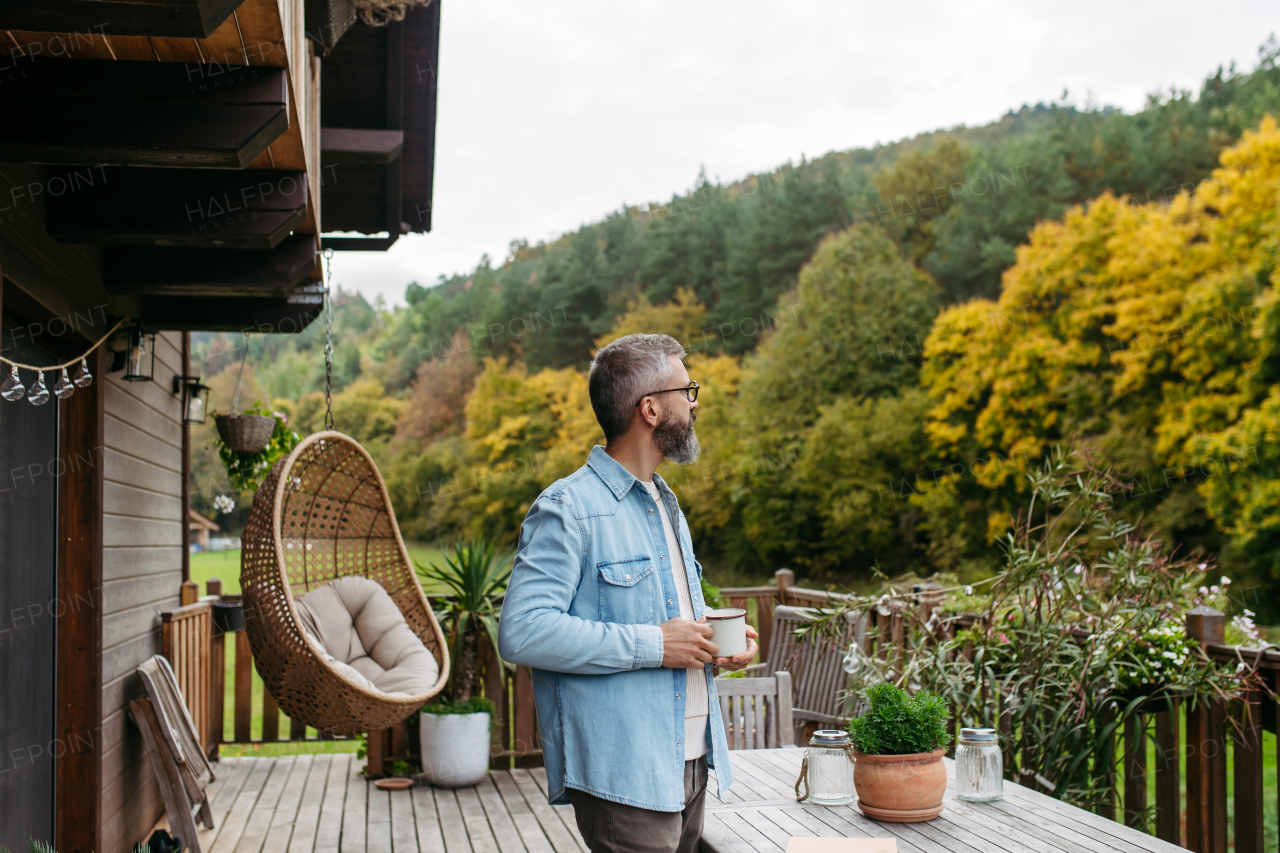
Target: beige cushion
x=366 y=637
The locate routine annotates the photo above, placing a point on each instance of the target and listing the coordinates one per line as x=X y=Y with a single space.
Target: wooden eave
x=127 y=261
x=378 y=139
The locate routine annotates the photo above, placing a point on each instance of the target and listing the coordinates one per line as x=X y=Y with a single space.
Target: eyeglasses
x=690 y=393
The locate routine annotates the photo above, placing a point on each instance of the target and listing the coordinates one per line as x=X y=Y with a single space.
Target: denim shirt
x=590 y=586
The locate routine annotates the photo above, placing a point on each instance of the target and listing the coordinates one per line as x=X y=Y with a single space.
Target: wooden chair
x=757 y=711
x=182 y=770
x=816 y=665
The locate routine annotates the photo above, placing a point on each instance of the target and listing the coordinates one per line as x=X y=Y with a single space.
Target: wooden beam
x=209 y=208
x=176 y=271
x=161 y=18
x=232 y=314
x=71 y=111
x=359 y=244
x=79 y=669
x=356 y=145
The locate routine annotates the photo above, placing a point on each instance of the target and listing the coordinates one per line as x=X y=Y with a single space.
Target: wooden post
x=495 y=690
x=1206 y=764
x=186 y=469
x=526 y=719
x=373 y=760
x=298 y=729
x=399 y=741
x=1247 y=755
x=270 y=717
x=1168 y=776
x=764 y=615
x=217 y=676
x=784 y=578
x=1104 y=764
x=244 y=685
x=898 y=637
x=1135 y=771
x=190 y=592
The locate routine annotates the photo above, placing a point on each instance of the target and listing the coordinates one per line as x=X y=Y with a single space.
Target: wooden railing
x=186 y=637
x=1198 y=739
x=198 y=652
x=1210 y=734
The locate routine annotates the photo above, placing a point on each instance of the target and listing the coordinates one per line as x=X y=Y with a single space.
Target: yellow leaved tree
x=1147 y=331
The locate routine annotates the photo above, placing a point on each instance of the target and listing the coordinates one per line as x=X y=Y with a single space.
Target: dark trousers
x=610 y=827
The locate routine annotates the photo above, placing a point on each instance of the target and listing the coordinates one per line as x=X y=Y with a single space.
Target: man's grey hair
x=623 y=372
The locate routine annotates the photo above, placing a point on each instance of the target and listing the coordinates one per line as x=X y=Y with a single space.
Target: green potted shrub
x=898 y=744
x=455 y=731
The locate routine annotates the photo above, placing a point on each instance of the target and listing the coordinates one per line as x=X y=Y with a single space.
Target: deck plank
x=538 y=837
x=378 y=828
x=404 y=832
x=477 y=823
x=221 y=803
x=307 y=819
x=355 y=811
x=451 y=825
x=329 y=829
x=504 y=830
x=427 y=821
x=281 y=828
x=229 y=830
x=255 y=831
x=535 y=795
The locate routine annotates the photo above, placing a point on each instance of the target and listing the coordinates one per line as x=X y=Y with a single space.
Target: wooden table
x=760 y=813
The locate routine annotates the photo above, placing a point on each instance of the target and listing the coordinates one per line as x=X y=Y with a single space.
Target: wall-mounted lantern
x=140 y=356
x=195 y=398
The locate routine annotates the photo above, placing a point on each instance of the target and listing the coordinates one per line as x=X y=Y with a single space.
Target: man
x=606 y=606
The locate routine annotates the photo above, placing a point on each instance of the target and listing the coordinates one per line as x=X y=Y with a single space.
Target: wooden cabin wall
x=141 y=574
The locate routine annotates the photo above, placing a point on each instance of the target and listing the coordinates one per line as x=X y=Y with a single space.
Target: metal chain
x=328 y=339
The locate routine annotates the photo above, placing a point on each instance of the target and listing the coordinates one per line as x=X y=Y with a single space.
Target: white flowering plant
x=224 y=504
x=1160 y=657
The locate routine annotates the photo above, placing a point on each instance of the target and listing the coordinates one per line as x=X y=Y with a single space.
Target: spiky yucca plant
x=476 y=575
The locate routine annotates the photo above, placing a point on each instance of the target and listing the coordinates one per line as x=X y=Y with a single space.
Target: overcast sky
x=552 y=114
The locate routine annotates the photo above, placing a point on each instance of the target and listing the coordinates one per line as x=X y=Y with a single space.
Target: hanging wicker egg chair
x=321 y=514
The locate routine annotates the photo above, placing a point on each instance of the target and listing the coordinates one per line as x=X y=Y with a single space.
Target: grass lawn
x=225 y=565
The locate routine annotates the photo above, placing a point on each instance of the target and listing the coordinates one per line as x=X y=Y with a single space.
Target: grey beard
x=678 y=442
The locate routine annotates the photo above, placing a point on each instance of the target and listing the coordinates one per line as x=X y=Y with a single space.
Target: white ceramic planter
x=455 y=748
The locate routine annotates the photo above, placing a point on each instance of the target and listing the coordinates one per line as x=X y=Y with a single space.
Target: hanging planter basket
x=245 y=433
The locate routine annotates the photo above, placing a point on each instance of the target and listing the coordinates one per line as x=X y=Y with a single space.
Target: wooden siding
x=142 y=572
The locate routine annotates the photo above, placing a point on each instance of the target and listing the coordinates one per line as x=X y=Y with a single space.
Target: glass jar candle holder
x=828 y=769
x=979 y=766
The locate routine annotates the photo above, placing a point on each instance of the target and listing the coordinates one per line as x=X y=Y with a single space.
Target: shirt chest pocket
x=627 y=592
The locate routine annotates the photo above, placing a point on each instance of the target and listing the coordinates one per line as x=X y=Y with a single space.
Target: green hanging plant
x=246 y=470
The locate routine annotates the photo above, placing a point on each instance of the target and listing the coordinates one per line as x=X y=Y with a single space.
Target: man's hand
x=687 y=644
x=743 y=660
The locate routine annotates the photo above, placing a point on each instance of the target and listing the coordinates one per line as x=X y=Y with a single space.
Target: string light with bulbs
x=13 y=389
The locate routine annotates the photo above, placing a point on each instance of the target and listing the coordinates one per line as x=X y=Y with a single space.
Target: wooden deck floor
x=321 y=804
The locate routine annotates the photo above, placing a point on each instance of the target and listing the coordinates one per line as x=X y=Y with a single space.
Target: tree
x=1150 y=331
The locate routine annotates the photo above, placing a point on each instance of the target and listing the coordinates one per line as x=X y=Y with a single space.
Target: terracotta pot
x=900 y=788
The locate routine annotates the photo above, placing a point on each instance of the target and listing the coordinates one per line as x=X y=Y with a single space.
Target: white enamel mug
x=728 y=630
